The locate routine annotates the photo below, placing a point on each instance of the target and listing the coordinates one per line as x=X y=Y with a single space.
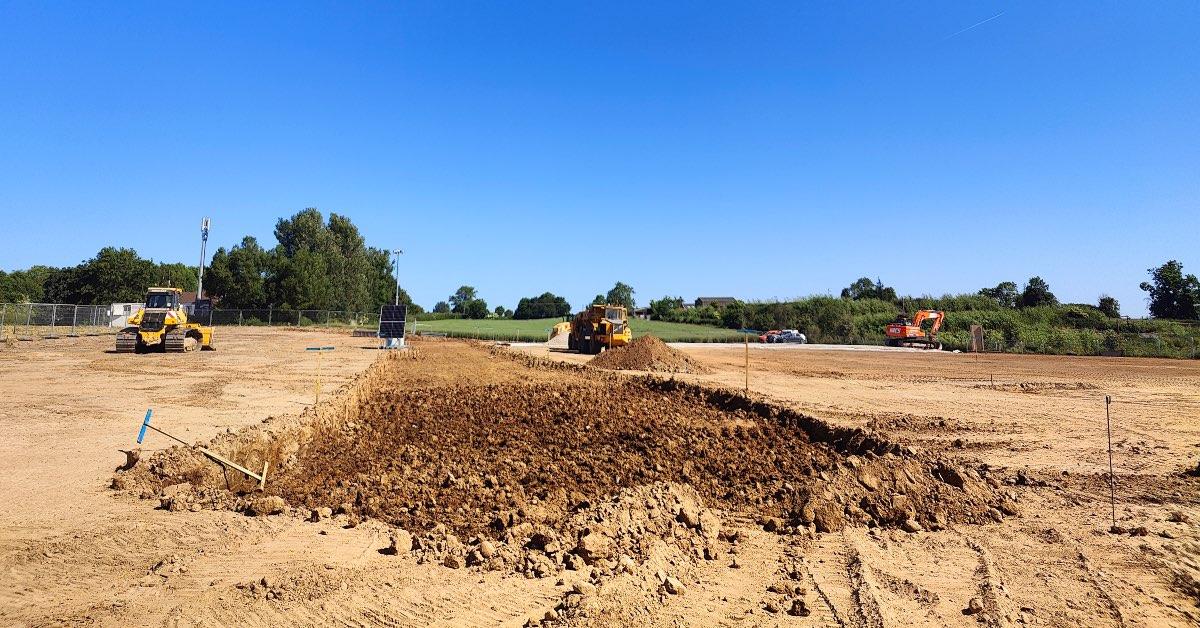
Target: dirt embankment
x=513 y=468
x=647 y=353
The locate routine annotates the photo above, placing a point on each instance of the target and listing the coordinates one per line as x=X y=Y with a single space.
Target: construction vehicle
x=921 y=331
x=162 y=325
x=598 y=328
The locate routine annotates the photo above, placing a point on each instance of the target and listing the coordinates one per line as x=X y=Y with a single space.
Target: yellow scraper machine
x=598 y=328
x=162 y=325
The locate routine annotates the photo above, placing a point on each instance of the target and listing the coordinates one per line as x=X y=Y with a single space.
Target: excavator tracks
x=127 y=340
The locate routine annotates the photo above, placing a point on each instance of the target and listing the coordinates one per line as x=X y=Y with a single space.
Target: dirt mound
x=647 y=353
x=483 y=459
x=565 y=468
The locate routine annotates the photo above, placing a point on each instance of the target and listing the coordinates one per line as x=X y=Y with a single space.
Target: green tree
x=499 y=311
x=319 y=265
x=475 y=308
x=460 y=299
x=26 y=286
x=662 y=309
x=599 y=300
x=441 y=307
x=546 y=305
x=1109 y=306
x=1172 y=294
x=864 y=288
x=1004 y=294
x=1037 y=292
x=733 y=315
x=238 y=277
x=621 y=294
x=113 y=276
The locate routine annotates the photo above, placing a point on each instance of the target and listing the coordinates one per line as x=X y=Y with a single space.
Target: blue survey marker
x=145 y=424
x=214 y=456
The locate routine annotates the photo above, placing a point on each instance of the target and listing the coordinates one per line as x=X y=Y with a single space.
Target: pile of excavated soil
x=543 y=469
x=647 y=353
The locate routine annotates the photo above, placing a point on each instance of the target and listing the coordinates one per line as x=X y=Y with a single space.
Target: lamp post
x=398 y=253
x=203 y=243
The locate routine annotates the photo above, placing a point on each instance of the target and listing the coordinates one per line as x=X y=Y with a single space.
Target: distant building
x=714 y=301
x=641 y=312
x=119 y=313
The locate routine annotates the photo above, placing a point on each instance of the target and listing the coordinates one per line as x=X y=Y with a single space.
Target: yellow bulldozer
x=598 y=328
x=162 y=325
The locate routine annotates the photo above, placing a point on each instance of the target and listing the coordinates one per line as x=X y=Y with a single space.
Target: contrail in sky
x=973 y=26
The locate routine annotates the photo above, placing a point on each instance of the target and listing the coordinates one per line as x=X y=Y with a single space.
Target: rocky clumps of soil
x=568 y=469
x=598 y=541
x=481 y=460
x=647 y=353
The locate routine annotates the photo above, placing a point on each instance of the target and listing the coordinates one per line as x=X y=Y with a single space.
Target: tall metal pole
x=1112 y=481
x=398 y=253
x=203 y=244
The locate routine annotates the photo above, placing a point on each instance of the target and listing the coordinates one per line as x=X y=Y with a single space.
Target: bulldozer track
x=178 y=341
x=126 y=341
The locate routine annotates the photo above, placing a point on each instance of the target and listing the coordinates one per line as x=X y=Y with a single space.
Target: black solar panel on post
x=391 y=321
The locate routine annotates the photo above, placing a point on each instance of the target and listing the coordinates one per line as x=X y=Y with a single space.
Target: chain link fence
x=33 y=321
x=36 y=321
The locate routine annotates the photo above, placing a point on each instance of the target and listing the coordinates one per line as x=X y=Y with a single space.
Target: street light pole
x=203 y=243
x=398 y=253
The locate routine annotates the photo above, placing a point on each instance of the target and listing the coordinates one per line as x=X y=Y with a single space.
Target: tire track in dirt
x=1090 y=576
x=390 y=594
x=863 y=590
x=997 y=605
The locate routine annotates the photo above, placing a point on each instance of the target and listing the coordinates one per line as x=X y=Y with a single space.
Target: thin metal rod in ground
x=1112 y=480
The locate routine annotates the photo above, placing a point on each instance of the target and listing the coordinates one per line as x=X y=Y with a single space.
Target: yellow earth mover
x=162 y=325
x=598 y=328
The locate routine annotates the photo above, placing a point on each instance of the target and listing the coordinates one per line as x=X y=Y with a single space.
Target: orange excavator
x=921 y=331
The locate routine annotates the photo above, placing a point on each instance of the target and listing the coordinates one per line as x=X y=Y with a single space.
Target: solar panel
x=391 y=321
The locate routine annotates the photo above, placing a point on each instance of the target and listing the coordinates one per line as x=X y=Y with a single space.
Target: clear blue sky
x=748 y=149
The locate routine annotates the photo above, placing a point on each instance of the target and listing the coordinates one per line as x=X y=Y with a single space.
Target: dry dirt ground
x=75 y=552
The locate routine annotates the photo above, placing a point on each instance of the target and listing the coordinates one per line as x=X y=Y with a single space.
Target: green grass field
x=536 y=330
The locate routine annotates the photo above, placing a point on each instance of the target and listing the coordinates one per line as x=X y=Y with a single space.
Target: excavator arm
x=923 y=315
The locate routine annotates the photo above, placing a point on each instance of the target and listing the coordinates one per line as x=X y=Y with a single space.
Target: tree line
x=315 y=264
x=465 y=302
x=1172 y=294
x=114 y=275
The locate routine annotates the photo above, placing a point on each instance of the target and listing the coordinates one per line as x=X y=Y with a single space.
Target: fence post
x=74 y=319
x=28 y=319
x=239 y=318
x=269 y=313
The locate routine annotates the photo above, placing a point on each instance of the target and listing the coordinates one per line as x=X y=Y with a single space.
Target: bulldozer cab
x=162 y=299
x=614 y=313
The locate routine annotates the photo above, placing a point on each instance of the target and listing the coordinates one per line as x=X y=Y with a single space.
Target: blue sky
x=758 y=150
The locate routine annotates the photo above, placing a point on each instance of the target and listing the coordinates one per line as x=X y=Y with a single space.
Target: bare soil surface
x=470 y=486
